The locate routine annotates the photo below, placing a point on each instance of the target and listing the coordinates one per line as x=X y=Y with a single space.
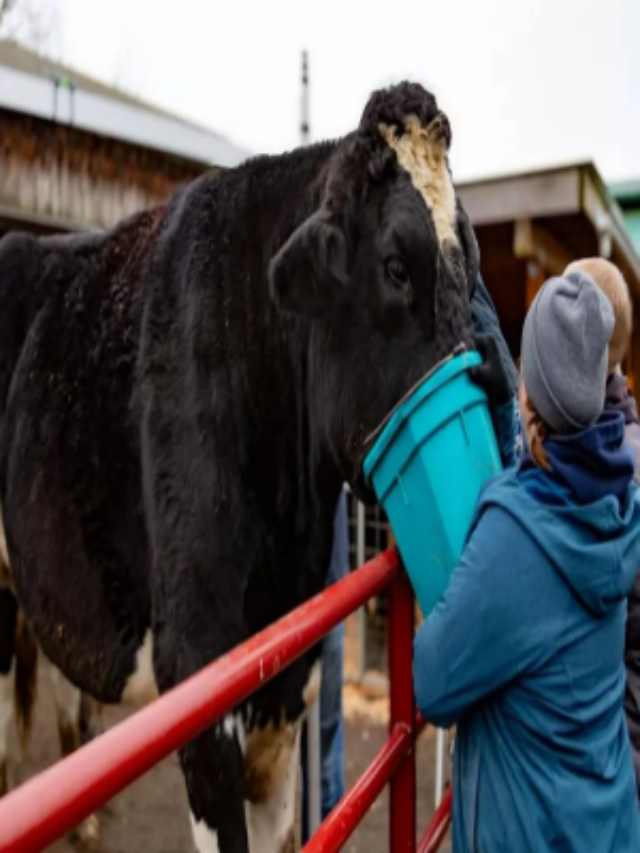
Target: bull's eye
x=396 y=273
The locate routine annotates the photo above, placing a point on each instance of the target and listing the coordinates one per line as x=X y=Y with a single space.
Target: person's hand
x=491 y=375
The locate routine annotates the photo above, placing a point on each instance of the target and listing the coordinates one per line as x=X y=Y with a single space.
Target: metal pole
x=314 y=768
x=402 y=799
x=314 y=757
x=362 y=615
x=305 y=129
x=350 y=811
x=441 y=747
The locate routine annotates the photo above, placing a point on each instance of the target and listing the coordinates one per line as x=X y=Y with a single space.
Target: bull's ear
x=310 y=270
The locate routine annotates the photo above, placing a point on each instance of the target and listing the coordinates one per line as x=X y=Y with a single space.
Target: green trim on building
x=627 y=195
x=632 y=223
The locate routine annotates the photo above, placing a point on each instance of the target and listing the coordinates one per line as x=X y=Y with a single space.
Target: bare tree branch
x=32 y=23
x=5 y=7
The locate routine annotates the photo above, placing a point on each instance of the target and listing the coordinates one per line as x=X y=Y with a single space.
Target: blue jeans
x=331 y=719
x=331 y=731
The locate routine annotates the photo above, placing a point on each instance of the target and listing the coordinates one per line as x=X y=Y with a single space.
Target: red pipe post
x=437 y=829
x=402 y=796
x=51 y=804
x=348 y=814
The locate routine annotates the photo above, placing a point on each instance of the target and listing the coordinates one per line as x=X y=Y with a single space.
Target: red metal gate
x=51 y=804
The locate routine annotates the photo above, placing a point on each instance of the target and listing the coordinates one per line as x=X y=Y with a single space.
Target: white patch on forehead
x=422 y=153
x=141 y=687
x=206 y=840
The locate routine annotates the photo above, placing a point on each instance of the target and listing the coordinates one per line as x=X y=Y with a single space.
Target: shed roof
x=574 y=191
x=28 y=85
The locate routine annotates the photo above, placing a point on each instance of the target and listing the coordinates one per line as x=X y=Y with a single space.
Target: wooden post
x=535 y=280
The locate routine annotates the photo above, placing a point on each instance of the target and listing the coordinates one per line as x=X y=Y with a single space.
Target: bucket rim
x=376 y=444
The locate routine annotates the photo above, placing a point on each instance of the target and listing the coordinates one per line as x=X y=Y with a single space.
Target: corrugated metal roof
x=27 y=85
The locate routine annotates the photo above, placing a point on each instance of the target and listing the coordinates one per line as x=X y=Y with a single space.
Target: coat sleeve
x=486 y=322
x=504 y=424
x=632 y=664
x=485 y=631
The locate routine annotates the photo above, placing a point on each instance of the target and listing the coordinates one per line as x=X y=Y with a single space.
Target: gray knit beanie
x=565 y=344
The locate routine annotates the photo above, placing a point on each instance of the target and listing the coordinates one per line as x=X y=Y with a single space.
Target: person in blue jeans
x=524 y=651
x=331 y=716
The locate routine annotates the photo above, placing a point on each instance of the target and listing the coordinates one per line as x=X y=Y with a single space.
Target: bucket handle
x=370 y=439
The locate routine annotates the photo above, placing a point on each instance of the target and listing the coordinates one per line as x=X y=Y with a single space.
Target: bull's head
x=384 y=269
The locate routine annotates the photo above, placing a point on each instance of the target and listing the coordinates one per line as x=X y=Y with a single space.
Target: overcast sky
x=526 y=83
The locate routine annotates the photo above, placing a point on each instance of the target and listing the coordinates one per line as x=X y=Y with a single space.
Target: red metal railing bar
x=54 y=802
x=402 y=795
x=345 y=817
x=437 y=829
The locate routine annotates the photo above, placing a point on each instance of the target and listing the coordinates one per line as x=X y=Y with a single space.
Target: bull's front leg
x=204 y=541
x=197 y=619
x=212 y=764
x=272 y=755
x=201 y=561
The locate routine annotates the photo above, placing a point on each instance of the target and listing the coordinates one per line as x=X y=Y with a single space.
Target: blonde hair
x=537 y=431
x=534 y=428
x=611 y=282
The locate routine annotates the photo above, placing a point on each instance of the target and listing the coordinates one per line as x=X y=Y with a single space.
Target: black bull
x=181 y=399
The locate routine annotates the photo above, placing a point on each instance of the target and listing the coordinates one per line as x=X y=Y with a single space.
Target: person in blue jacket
x=491 y=342
x=524 y=652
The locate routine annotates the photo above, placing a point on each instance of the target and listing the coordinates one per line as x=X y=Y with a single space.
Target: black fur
x=8 y=623
x=173 y=441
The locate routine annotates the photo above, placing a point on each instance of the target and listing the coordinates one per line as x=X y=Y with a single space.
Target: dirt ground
x=151 y=816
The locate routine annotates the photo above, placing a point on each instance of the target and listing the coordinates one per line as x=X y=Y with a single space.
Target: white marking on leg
x=271 y=822
x=67 y=699
x=233 y=726
x=229 y=725
x=4 y=554
x=206 y=840
x=141 y=687
x=6 y=710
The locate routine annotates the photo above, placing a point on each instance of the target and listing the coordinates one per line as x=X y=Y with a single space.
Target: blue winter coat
x=525 y=653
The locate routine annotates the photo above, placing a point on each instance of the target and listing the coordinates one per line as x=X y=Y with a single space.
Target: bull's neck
x=277 y=195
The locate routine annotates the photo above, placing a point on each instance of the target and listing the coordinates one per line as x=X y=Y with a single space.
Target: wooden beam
x=553 y=193
x=56 y=175
x=532 y=242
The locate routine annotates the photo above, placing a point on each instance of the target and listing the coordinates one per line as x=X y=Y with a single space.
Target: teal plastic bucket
x=429 y=462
